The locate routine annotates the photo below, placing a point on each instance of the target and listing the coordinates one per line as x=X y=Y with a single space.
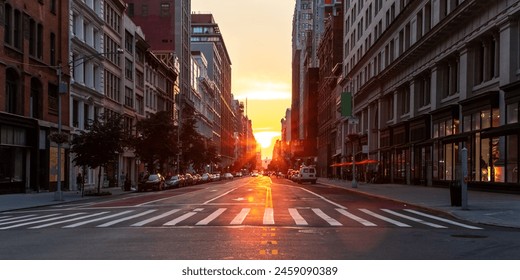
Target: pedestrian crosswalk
x=198 y=217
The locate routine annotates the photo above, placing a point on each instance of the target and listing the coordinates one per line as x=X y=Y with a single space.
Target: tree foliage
x=101 y=144
x=156 y=140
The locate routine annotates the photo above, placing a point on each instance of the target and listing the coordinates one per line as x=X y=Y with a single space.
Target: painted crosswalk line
x=356 y=218
x=152 y=219
x=386 y=219
x=239 y=219
x=126 y=218
x=211 y=217
x=326 y=217
x=98 y=219
x=298 y=219
x=299 y=216
x=442 y=219
x=412 y=219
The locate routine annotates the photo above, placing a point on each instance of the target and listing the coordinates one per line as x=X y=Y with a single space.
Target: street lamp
x=62 y=88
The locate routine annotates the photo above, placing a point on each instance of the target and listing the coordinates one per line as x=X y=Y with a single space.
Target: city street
x=248 y=218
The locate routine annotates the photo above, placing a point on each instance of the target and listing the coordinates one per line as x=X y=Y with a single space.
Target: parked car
x=228 y=176
x=205 y=178
x=174 y=182
x=188 y=179
x=153 y=181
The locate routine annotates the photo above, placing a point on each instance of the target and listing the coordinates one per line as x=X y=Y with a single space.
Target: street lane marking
x=441 y=219
x=326 y=217
x=356 y=218
x=211 y=217
x=413 y=219
x=219 y=196
x=331 y=202
x=268 y=216
x=15 y=218
x=28 y=219
x=397 y=223
x=179 y=219
x=298 y=219
x=147 y=221
x=241 y=216
x=127 y=218
x=98 y=219
x=268 y=198
x=70 y=220
x=41 y=221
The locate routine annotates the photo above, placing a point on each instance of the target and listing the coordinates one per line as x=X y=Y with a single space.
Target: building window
x=129 y=69
x=423 y=83
x=129 y=97
x=129 y=42
x=450 y=77
x=165 y=9
x=52 y=92
x=405 y=99
x=486 y=60
x=512 y=113
x=36 y=96
x=53 y=49
x=12 y=86
x=75 y=113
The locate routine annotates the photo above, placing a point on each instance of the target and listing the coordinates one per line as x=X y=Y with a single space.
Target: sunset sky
x=257 y=34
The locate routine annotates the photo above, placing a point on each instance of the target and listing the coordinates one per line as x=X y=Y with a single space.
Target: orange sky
x=257 y=34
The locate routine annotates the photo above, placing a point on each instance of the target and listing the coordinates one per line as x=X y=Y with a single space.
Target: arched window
x=12 y=99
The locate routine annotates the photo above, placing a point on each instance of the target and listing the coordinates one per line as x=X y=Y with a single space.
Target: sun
x=265 y=138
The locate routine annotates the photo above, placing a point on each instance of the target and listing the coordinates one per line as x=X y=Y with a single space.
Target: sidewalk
x=483 y=207
x=9 y=202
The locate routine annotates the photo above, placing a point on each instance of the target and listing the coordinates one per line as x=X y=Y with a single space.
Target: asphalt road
x=248 y=219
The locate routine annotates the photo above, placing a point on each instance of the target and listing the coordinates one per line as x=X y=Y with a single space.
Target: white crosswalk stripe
x=180 y=219
x=147 y=221
x=211 y=217
x=9 y=218
x=126 y=218
x=298 y=219
x=413 y=219
x=269 y=216
x=70 y=220
x=392 y=221
x=327 y=218
x=41 y=221
x=299 y=216
x=98 y=219
x=239 y=219
x=28 y=219
x=356 y=218
x=441 y=219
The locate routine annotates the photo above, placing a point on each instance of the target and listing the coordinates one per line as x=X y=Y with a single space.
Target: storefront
x=421 y=147
x=18 y=143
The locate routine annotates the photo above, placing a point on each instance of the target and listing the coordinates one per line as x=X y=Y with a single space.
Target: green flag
x=346 y=104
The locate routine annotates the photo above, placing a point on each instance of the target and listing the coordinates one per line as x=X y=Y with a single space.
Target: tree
x=156 y=142
x=100 y=145
x=192 y=142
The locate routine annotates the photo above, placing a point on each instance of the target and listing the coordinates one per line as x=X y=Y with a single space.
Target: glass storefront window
x=512 y=113
x=496 y=117
x=442 y=129
x=435 y=130
x=486 y=118
x=485 y=171
x=467 y=123
x=476 y=121
x=512 y=159
x=498 y=164
x=449 y=127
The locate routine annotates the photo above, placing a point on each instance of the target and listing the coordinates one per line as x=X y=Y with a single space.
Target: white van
x=307 y=174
